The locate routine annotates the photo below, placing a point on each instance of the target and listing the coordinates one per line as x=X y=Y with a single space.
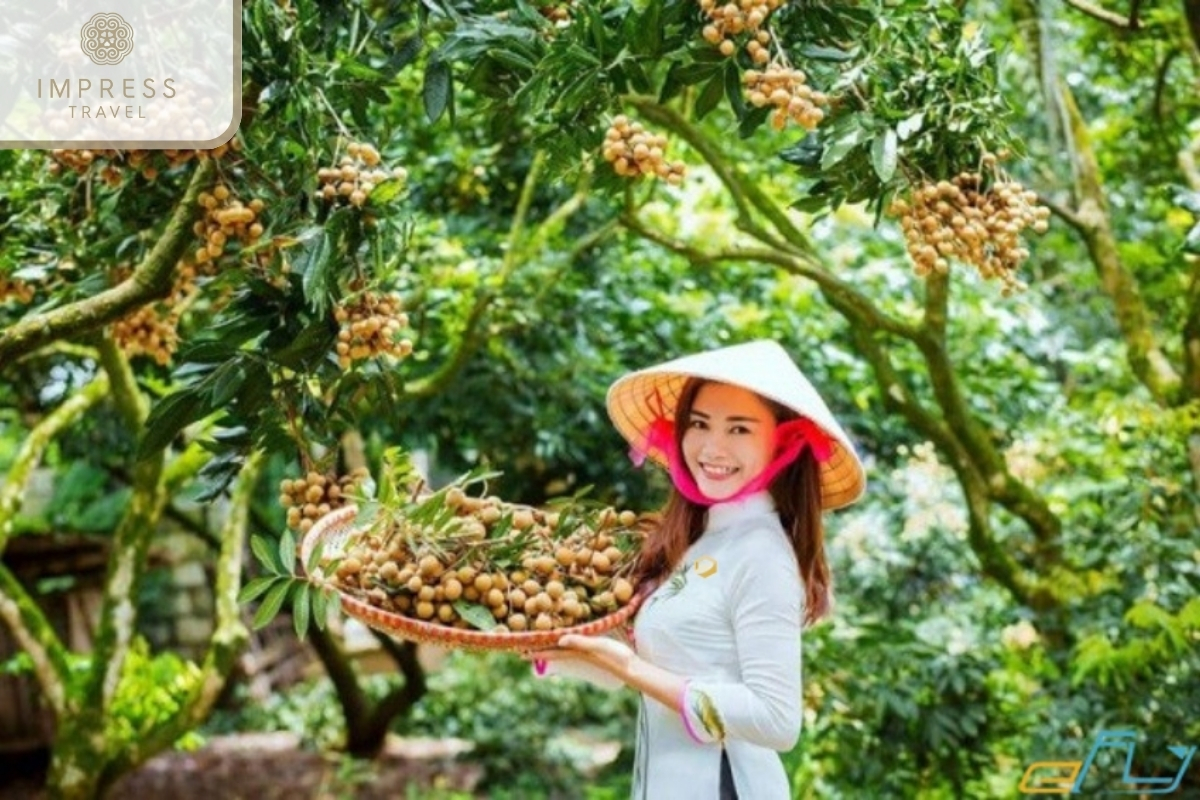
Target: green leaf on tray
x=475 y=614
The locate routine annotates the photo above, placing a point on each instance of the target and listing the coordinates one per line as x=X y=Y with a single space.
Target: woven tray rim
x=404 y=627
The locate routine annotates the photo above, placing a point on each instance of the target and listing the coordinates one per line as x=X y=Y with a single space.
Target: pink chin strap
x=791 y=438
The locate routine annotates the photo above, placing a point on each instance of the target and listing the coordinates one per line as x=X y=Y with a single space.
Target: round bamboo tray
x=335 y=528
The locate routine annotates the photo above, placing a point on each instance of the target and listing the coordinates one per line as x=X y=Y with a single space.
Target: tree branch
x=895 y=393
x=1067 y=215
x=792 y=264
x=229 y=635
x=937 y=300
x=1149 y=363
x=515 y=230
x=746 y=194
x=1191 y=333
x=12 y=493
x=994 y=560
x=151 y=280
x=1131 y=23
x=130 y=544
x=558 y=218
x=473 y=333
x=37 y=638
x=355 y=705
x=472 y=339
x=402 y=698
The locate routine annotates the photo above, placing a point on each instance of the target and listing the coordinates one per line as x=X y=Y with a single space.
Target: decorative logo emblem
x=706 y=566
x=106 y=38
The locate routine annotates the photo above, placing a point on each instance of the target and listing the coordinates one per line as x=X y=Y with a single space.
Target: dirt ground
x=273 y=767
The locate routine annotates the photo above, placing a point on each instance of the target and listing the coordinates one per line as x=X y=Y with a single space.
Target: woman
x=734 y=571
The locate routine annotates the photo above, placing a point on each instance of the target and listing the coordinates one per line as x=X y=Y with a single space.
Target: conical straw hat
x=635 y=401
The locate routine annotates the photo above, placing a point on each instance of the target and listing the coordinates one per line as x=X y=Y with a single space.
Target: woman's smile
x=728 y=440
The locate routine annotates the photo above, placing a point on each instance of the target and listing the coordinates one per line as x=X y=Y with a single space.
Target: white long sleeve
x=764 y=706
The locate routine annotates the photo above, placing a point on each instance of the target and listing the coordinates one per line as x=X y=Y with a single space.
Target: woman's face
x=729 y=439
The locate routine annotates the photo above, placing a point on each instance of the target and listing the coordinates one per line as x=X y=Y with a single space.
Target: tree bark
x=1091 y=219
x=228 y=640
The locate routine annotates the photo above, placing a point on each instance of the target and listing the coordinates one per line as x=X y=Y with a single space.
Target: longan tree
x=286 y=298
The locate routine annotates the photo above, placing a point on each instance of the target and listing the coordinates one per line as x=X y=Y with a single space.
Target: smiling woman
x=731 y=576
x=728 y=438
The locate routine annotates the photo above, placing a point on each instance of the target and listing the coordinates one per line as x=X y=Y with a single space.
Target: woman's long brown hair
x=796 y=491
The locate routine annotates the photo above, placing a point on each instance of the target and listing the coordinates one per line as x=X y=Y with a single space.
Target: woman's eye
x=696 y=423
x=739 y=429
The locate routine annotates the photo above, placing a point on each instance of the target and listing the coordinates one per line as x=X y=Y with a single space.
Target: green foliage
x=154 y=689
x=310 y=600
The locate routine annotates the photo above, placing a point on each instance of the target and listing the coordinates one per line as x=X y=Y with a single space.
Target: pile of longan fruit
x=112 y=163
x=562 y=578
x=731 y=19
x=370 y=327
x=786 y=90
x=15 y=289
x=311 y=497
x=976 y=223
x=359 y=173
x=635 y=152
x=226 y=219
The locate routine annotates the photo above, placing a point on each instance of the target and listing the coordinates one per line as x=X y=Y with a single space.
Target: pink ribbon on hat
x=791 y=438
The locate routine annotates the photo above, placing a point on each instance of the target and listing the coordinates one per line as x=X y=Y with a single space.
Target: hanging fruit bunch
x=311 y=497
x=635 y=152
x=478 y=562
x=358 y=174
x=786 y=89
x=975 y=218
x=370 y=327
x=153 y=330
x=727 y=21
x=226 y=220
x=113 y=164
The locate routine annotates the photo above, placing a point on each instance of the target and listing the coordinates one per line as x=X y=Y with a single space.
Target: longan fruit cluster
x=731 y=19
x=962 y=219
x=226 y=219
x=635 y=152
x=785 y=89
x=370 y=326
x=113 y=163
x=151 y=330
x=311 y=497
x=565 y=578
x=15 y=289
x=359 y=173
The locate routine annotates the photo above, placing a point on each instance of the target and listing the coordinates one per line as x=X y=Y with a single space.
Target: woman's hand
x=600 y=651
